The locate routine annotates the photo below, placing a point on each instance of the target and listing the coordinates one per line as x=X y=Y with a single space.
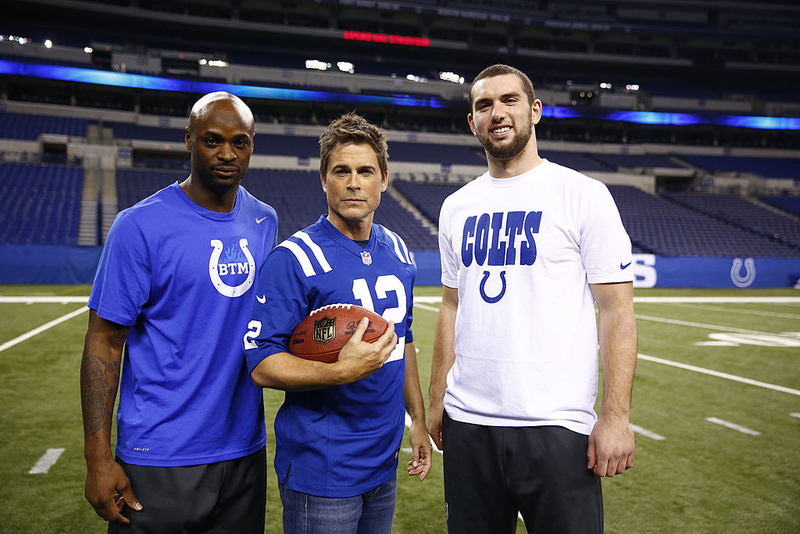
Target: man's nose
x=497 y=112
x=353 y=181
x=226 y=152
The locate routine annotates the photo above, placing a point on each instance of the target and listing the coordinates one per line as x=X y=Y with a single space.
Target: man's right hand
x=359 y=359
x=108 y=490
x=435 y=415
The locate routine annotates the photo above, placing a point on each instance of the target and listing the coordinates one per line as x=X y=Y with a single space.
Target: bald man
x=170 y=302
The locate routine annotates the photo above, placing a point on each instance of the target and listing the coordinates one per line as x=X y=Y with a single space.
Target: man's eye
x=211 y=141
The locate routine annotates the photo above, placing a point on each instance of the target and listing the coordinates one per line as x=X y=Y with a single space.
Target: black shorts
x=223 y=497
x=492 y=473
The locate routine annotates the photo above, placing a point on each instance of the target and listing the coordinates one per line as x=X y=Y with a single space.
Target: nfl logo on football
x=324 y=330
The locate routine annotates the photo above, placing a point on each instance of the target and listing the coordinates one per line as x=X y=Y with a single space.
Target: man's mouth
x=225 y=171
x=501 y=131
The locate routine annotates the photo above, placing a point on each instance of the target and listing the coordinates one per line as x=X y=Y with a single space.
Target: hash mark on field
x=795 y=415
x=733 y=426
x=48 y=460
x=647 y=433
x=425 y=307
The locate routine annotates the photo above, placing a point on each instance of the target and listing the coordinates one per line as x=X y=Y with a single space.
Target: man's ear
x=188 y=139
x=324 y=183
x=471 y=124
x=536 y=111
x=385 y=182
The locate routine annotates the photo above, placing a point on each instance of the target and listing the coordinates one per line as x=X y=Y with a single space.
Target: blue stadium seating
x=437 y=153
x=580 y=161
x=742 y=213
x=427 y=197
x=40 y=204
x=127 y=130
x=647 y=161
x=297 y=197
x=790 y=205
x=660 y=226
x=766 y=167
x=30 y=127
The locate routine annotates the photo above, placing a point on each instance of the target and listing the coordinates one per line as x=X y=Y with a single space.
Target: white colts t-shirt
x=522 y=252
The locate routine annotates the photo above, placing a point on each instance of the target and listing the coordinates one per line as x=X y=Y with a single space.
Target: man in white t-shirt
x=527 y=250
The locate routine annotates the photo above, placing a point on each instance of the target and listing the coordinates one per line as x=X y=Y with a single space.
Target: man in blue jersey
x=339 y=431
x=172 y=294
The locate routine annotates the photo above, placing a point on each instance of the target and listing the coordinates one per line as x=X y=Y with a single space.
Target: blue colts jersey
x=338 y=441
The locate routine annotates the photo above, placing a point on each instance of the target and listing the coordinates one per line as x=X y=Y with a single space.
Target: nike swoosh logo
x=262 y=299
x=259 y=221
x=625 y=266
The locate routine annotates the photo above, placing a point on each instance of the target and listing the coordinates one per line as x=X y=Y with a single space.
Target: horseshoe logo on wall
x=749 y=272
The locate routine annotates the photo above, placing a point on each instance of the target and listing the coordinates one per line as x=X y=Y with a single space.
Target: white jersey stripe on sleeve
x=326 y=267
x=301 y=256
x=397 y=250
x=405 y=249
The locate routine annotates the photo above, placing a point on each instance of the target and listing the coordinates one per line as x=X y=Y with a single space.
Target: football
x=322 y=334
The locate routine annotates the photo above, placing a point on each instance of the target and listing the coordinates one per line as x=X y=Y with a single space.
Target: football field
x=716 y=410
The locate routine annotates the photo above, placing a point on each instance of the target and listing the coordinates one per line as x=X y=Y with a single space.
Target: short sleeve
x=122 y=283
x=448 y=259
x=605 y=245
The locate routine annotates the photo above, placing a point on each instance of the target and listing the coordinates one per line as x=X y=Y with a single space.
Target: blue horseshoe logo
x=487 y=298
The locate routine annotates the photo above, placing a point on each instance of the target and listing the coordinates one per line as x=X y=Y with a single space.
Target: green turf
x=702 y=478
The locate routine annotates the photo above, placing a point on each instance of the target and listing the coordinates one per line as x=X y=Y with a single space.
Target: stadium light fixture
x=346 y=66
x=48 y=43
x=451 y=77
x=88 y=49
x=315 y=64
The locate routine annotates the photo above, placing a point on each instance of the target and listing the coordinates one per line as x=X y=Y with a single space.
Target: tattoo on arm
x=99 y=380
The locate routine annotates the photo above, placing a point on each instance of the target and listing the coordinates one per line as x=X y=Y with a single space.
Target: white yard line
x=795 y=415
x=48 y=460
x=733 y=426
x=42 y=300
x=647 y=433
x=705 y=326
x=719 y=375
x=746 y=312
x=39 y=330
x=426 y=307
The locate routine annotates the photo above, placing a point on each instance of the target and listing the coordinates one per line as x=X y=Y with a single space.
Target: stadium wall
x=34 y=264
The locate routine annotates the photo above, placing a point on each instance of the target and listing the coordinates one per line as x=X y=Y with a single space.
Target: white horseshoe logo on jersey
x=213 y=270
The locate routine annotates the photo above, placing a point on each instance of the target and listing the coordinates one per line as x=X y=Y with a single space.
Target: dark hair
x=498 y=70
x=353 y=128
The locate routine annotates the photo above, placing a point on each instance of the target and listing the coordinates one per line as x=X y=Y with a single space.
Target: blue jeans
x=369 y=513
